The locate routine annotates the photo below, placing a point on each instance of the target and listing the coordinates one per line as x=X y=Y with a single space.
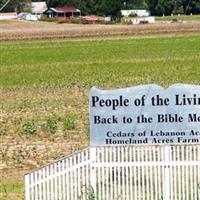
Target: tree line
x=113 y=7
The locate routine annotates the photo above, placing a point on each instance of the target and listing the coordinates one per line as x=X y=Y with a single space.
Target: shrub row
x=50 y=125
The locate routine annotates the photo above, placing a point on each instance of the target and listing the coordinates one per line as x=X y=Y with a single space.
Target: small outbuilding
x=135 y=13
x=62 y=12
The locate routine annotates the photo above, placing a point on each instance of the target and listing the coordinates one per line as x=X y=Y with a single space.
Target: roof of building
x=65 y=9
x=38 y=7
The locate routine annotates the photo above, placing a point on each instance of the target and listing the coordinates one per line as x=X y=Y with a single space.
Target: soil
x=25 y=30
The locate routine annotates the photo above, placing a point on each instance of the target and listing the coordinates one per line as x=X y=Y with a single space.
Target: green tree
x=88 y=7
x=12 y=6
x=194 y=7
x=54 y=3
x=178 y=7
x=110 y=7
x=135 y=4
x=7 y=6
x=165 y=7
x=152 y=6
x=159 y=9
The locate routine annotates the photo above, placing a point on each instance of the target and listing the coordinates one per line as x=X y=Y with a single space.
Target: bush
x=75 y=20
x=3 y=130
x=30 y=127
x=71 y=20
x=47 y=19
x=126 y=21
x=51 y=125
x=69 y=122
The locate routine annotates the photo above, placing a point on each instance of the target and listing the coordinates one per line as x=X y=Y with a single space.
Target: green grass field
x=11 y=186
x=181 y=17
x=105 y=63
x=11 y=190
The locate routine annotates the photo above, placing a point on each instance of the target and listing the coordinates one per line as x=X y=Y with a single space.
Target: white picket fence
x=120 y=173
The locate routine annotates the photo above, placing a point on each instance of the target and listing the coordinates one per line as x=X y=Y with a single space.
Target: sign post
x=146 y=115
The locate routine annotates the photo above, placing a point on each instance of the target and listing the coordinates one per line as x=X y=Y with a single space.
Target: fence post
x=93 y=169
x=167 y=178
x=27 y=187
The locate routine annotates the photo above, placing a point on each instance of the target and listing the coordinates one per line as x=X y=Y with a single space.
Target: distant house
x=137 y=13
x=31 y=11
x=38 y=8
x=62 y=12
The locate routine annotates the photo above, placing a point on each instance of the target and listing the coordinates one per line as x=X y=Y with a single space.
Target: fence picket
x=124 y=173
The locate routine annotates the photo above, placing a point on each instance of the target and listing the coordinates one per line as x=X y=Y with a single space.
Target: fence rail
x=120 y=173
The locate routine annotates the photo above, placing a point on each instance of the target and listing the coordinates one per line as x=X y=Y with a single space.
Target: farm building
x=62 y=12
x=38 y=8
x=137 y=13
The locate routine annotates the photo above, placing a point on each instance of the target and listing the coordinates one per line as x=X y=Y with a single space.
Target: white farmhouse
x=38 y=8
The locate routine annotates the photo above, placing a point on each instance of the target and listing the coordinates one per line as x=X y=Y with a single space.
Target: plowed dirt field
x=22 y=30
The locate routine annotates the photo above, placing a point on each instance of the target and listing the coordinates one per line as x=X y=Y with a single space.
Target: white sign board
x=147 y=114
